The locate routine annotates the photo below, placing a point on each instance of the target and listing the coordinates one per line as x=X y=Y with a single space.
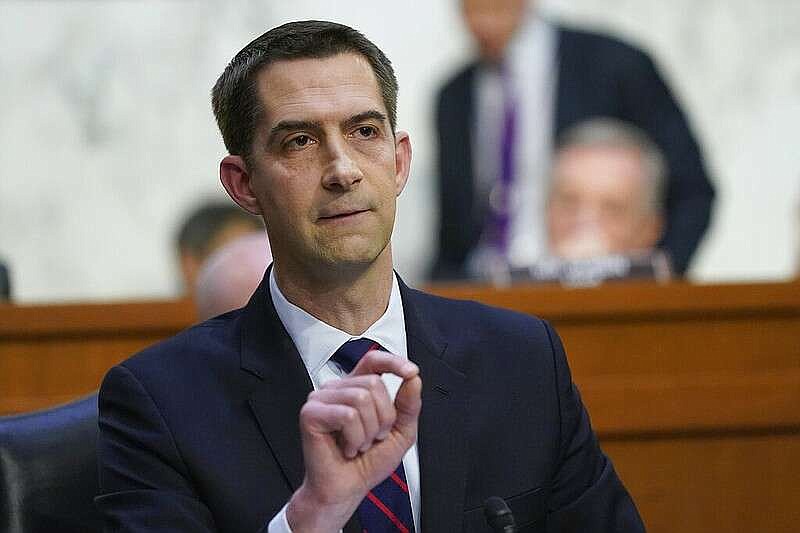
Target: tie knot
x=349 y=353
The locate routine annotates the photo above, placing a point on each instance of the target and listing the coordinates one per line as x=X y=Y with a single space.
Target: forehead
x=493 y=7
x=594 y=169
x=319 y=89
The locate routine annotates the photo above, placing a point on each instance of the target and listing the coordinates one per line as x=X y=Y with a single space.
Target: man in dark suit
x=338 y=397
x=557 y=77
x=5 y=284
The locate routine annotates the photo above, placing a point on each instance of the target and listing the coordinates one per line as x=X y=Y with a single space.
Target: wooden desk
x=694 y=390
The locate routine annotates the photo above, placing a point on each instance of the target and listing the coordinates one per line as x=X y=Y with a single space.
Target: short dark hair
x=198 y=230
x=234 y=97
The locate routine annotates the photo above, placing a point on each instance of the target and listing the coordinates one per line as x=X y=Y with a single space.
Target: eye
x=366 y=132
x=299 y=142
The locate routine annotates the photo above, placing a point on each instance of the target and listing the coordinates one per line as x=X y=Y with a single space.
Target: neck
x=348 y=298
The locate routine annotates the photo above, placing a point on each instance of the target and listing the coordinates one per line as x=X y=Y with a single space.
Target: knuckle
x=374 y=382
x=350 y=415
x=362 y=397
x=306 y=412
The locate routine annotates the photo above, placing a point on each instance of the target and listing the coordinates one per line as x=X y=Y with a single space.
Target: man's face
x=326 y=168
x=598 y=203
x=492 y=23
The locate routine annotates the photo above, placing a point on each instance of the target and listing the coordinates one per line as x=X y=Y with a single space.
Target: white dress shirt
x=317 y=342
x=531 y=68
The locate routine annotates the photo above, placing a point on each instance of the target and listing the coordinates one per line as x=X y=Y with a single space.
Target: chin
x=354 y=252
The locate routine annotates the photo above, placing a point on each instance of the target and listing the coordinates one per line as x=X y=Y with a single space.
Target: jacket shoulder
x=458 y=83
x=571 y=35
x=208 y=344
x=455 y=318
x=598 y=45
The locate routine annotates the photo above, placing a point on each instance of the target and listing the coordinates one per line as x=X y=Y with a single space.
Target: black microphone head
x=498 y=515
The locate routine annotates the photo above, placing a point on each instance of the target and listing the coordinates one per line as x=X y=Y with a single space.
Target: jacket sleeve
x=144 y=483
x=586 y=493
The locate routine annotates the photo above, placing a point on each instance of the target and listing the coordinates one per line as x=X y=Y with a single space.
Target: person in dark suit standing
x=338 y=397
x=497 y=120
x=5 y=284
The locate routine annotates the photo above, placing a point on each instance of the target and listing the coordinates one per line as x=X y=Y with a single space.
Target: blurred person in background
x=231 y=274
x=496 y=120
x=606 y=192
x=207 y=228
x=5 y=284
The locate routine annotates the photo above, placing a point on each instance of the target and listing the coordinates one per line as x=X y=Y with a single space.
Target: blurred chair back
x=48 y=470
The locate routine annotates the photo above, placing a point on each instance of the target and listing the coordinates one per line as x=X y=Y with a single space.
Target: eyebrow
x=292 y=125
x=372 y=114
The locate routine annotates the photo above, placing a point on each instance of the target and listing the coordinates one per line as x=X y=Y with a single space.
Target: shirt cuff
x=279 y=524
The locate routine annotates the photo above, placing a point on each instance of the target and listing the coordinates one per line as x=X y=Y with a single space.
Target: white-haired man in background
x=606 y=192
x=230 y=275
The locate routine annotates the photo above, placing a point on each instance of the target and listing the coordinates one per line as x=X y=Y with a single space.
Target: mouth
x=343 y=215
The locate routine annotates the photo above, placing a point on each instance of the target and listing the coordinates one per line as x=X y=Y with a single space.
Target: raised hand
x=353 y=437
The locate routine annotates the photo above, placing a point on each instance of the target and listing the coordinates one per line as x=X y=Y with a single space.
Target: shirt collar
x=317 y=341
x=534 y=41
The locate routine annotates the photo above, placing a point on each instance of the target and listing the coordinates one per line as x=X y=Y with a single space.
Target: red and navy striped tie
x=387 y=507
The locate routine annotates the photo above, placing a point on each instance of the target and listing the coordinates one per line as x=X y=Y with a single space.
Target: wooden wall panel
x=38 y=374
x=704 y=483
x=51 y=354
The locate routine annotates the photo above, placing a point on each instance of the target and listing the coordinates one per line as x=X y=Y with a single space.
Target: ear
x=237 y=181
x=402 y=158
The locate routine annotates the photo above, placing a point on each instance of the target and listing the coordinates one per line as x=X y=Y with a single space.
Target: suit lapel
x=464 y=194
x=441 y=442
x=269 y=353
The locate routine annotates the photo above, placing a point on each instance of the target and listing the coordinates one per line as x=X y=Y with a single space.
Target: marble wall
x=107 y=138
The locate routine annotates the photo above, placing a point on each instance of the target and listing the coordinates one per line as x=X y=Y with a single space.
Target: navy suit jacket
x=597 y=77
x=200 y=432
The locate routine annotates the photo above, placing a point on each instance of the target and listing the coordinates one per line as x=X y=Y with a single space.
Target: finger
x=360 y=399
x=408 y=404
x=379 y=362
x=384 y=406
x=319 y=417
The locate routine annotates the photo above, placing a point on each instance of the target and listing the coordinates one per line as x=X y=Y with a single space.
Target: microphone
x=499 y=516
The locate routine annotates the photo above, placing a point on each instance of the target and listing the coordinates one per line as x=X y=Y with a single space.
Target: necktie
x=387 y=507
x=500 y=200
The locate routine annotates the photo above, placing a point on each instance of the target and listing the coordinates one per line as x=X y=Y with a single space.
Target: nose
x=586 y=215
x=341 y=173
